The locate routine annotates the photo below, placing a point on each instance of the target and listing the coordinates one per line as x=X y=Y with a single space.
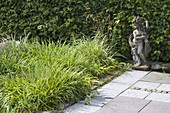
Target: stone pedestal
x=161 y=67
x=145 y=67
x=154 y=66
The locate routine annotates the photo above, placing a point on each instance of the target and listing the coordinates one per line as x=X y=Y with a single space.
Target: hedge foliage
x=62 y=19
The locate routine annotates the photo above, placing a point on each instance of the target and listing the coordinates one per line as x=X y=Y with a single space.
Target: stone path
x=132 y=92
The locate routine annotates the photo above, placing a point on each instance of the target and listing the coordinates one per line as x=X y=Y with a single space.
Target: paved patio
x=132 y=92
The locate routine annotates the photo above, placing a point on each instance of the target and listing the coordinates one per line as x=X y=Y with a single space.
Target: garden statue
x=139 y=43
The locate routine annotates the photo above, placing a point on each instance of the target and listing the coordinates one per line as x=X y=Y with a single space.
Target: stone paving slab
x=159 y=97
x=97 y=101
x=123 y=105
x=137 y=73
x=107 y=109
x=130 y=77
x=111 y=90
x=81 y=108
x=164 y=87
x=146 y=85
x=109 y=94
x=116 y=86
x=157 y=77
x=135 y=93
x=156 y=107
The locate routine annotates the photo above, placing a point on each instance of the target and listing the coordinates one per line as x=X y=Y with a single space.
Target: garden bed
x=41 y=77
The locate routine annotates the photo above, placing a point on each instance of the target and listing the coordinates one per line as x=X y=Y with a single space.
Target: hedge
x=69 y=19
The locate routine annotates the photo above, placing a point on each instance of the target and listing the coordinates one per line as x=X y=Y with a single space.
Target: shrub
x=69 y=19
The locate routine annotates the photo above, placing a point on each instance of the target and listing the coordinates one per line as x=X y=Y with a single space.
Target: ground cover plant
x=37 y=77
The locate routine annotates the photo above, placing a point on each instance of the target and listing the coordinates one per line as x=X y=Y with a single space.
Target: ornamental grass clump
x=46 y=91
x=39 y=77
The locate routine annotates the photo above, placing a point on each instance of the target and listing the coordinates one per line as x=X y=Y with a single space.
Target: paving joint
x=145 y=106
x=150 y=90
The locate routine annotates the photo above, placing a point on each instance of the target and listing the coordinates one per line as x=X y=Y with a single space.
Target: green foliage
x=69 y=19
x=40 y=77
x=155 y=11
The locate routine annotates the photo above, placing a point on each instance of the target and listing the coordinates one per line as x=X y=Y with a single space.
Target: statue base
x=145 y=67
x=161 y=67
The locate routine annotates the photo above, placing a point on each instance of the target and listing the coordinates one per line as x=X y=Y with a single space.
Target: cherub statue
x=138 y=41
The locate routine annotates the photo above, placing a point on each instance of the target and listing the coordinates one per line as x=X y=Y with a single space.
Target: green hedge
x=68 y=19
